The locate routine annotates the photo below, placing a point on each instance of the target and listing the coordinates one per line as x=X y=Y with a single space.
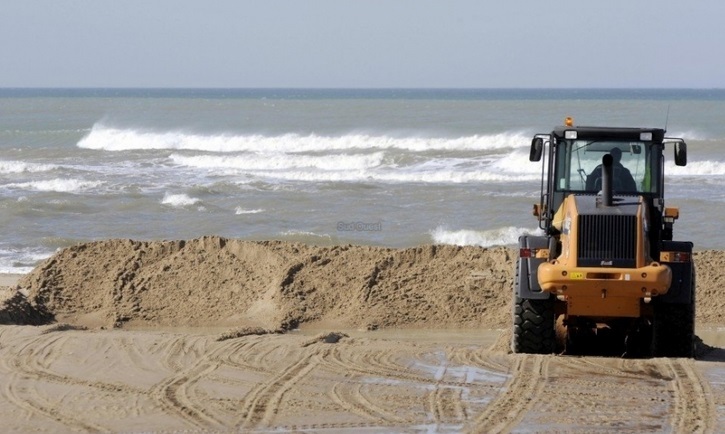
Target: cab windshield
x=578 y=166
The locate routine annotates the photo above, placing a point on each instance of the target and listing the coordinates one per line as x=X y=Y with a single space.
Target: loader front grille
x=607 y=241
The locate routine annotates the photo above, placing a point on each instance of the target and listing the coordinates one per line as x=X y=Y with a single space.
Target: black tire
x=534 y=322
x=673 y=328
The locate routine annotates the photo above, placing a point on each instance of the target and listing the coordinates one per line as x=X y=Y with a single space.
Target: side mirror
x=537 y=149
x=681 y=153
x=636 y=148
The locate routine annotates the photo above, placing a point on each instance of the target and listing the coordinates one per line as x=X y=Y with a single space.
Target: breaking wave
x=121 y=139
x=179 y=200
x=21 y=260
x=8 y=167
x=696 y=168
x=241 y=211
x=359 y=167
x=56 y=185
x=495 y=237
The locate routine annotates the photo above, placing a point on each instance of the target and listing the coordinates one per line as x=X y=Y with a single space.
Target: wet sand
x=60 y=379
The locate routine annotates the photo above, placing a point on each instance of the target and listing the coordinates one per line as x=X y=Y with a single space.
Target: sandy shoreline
x=225 y=335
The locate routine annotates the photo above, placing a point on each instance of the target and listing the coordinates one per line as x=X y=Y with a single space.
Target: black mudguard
x=683 y=275
x=526 y=285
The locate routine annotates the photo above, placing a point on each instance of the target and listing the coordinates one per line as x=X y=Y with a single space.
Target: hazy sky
x=366 y=43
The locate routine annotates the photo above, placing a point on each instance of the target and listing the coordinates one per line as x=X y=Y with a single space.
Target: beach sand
x=225 y=335
x=10 y=279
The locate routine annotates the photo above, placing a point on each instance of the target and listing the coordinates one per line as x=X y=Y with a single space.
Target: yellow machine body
x=601 y=291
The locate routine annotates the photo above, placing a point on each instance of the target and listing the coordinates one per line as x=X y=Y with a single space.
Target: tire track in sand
x=30 y=366
x=177 y=393
x=452 y=391
x=694 y=409
x=380 y=363
x=27 y=397
x=197 y=361
x=349 y=395
x=528 y=378
x=176 y=396
x=600 y=394
x=494 y=363
x=444 y=403
x=263 y=402
x=253 y=353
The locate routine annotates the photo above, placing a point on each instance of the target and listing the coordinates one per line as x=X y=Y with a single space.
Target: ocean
x=387 y=167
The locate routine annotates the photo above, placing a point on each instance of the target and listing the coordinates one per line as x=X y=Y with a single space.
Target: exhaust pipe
x=607 y=161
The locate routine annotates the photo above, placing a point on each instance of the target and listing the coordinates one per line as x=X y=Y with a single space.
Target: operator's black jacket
x=621 y=179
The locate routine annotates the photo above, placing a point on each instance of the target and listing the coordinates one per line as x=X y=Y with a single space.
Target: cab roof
x=610 y=133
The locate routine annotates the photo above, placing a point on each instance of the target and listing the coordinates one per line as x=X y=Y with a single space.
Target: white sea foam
x=364 y=168
x=21 y=261
x=106 y=138
x=467 y=237
x=8 y=167
x=280 y=161
x=57 y=185
x=517 y=162
x=393 y=176
x=240 y=211
x=179 y=200
x=696 y=168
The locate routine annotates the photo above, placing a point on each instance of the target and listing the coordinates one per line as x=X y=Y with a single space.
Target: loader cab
x=574 y=156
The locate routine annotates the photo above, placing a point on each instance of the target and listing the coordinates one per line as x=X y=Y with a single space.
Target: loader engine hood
x=596 y=235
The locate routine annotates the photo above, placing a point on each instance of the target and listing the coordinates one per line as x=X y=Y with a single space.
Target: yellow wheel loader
x=606 y=272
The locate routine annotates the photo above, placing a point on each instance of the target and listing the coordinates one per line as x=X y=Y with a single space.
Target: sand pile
x=220 y=282
x=274 y=285
x=710 y=282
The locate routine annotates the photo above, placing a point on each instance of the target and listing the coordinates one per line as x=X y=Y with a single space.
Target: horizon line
x=341 y=88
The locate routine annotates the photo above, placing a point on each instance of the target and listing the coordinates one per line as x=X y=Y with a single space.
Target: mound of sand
x=274 y=285
x=220 y=282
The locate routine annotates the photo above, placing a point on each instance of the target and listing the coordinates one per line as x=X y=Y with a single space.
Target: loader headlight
x=569 y=134
x=645 y=137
